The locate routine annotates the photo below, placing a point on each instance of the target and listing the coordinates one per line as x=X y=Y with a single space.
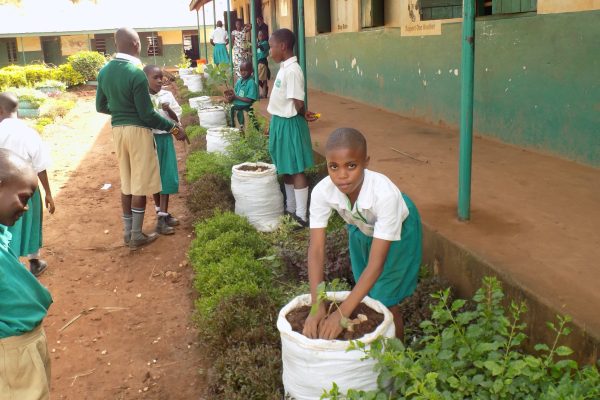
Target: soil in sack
x=252 y=168
x=297 y=317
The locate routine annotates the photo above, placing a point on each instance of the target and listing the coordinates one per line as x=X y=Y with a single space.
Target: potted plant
x=30 y=101
x=51 y=87
x=311 y=365
x=184 y=66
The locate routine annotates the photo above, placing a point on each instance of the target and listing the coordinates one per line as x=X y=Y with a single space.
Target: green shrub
x=226 y=244
x=202 y=163
x=67 y=74
x=209 y=195
x=247 y=372
x=236 y=267
x=475 y=354
x=187 y=110
x=252 y=146
x=12 y=76
x=51 y=83
x=222 y=223
x=55 y=108
x=195 y=130
x=206 y=306
x=40 y=124
x=37 y=73
x=87 y=63
x=35 y=97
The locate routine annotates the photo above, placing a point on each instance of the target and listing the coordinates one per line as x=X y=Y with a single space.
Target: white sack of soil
x=212 y=117
x=312 y=365
x=193 y=82
x=257 y=195
x=217 y=139
x=185 y=71
x=200 y=102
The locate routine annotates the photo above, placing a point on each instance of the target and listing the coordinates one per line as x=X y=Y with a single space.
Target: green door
x=51 y=50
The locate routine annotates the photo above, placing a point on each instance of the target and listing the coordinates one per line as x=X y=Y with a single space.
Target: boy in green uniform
x=264 y=74
x=167 y=106
x=24 y=302
x=123 y=94
x=245 y=93
x=384 y=233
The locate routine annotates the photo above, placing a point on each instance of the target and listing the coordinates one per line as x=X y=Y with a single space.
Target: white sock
x=301 y=196
x=163 y=214
x=290 y=199
x=34 y=256
x=156 y=208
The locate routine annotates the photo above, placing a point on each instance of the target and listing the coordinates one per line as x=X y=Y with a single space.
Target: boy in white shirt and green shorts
x=384 y=233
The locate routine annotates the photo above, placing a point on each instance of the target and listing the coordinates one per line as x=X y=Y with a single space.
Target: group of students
x=384 y=227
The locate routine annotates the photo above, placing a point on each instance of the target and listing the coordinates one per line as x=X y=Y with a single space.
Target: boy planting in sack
x=384 y=234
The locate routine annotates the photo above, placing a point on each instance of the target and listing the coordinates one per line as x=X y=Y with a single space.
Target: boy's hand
x=330 y=327
x=50 y=203
x=181 y=135
x=311 y=325
x=165 y=107
x=311 y=116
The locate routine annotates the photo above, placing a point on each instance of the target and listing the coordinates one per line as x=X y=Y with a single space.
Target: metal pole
x=214 y=14
x=199 y=43
x=230 y=41
x=23 y=49
x=302 y=48
x=205 y=44
x=253 y=22
x=466 y=110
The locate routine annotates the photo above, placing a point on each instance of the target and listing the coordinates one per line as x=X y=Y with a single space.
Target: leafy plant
x=12 y=77
x=67 y=74
x=184 y=62
x=187 y=110
x=32 y=96
x=41 y=123
x=333 y=286
x=87 y=63
x=209 y=195
x=475 y=354
x=219 y=74
x=195 y=130
x=55 y=108
x=202 y=163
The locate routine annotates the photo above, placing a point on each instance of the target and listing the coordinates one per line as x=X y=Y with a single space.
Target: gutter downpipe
x=466 y=111
x=302 y=48
x=199 y=43
x=254 y=45
x=205 y=44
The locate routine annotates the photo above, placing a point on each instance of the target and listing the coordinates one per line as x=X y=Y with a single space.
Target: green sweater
x=123 y=94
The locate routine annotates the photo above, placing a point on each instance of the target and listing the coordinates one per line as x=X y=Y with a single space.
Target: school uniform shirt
x=17 y=136
x=24 y=302
x=164 y=96
x=378 y=212
x=219 y=36
x=262 y=51
x=245 y=88
x=289 y=85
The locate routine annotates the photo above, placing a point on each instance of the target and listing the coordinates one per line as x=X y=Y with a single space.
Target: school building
x=537 y=63
x=165 y=32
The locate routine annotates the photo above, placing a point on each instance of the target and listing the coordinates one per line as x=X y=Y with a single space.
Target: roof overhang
x=195 y=5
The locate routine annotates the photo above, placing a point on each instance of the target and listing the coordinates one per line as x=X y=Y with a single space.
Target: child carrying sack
x=257 y=195
x=313 y=365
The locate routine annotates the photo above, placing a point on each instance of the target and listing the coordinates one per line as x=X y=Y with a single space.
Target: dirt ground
x=121 y=323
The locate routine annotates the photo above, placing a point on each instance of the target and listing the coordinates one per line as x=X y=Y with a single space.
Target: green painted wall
x=171 y=55
x=31 y=57
x=537 y=78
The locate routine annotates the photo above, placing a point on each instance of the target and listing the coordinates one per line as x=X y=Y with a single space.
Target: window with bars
x=372 y=13
x=154 y=43
x=446 y=9
x=100 y=45
x=11 y=49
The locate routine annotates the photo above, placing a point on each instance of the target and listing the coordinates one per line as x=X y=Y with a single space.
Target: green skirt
x=220 y=55
x=289 y=144
x=401 y=268
x=167 y=161
x=27 y=231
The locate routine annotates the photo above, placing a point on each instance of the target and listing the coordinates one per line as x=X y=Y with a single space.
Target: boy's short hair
x=346 y=138
x=247 y=65
x=284 y=36
x=151 y=67
x=8 y=102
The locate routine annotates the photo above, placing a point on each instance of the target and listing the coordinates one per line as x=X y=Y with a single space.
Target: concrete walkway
x=534 y=218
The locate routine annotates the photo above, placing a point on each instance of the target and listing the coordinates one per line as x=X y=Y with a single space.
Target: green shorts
x=398 y=279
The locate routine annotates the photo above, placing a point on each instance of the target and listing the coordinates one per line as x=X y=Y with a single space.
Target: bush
x=35 y=97
x=51 y=83
x=475 y=354
x=187 y=110
x=247 y=372
x=12 y=77
x=55 y=108
x=67 y=74
x=233 y=242
x=202 y=163
x=252 y=146
x=209 y=195
x=37 y=73
x=228 y=270
x=87 y=63
x=195 y=130
x=40 y=124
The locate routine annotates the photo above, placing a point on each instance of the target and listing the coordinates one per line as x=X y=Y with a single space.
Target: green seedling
x=334 y=286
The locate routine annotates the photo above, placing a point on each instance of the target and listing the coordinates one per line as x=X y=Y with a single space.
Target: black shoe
x=302 y=223
x=37 y=266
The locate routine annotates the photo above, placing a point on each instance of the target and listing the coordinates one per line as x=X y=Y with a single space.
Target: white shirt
x=289 y=85
x=164 y=96
x=15 y=135
x=378 y=212
x=127 y=57
x=219 y=36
